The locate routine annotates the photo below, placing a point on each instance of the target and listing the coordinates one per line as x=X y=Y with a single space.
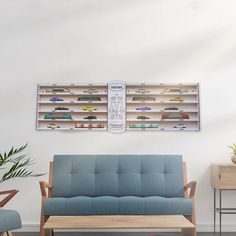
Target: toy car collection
x=53 y=126
x=90 y=117
x=177 y=99
x=142 y=117
x=151 y=125
x=141 y=90
x=90 y=91
x=180 y=126
x=143 y=108
x=89 y=98
x=61 y=109
x=175 y=90
x=144 y=98
x=88 y=108
x=56 y=99
x=89 y=125
x=175 y=116
x=57 y=90
x=171 y=109
x=57 y=116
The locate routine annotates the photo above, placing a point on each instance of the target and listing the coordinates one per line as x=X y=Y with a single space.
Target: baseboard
x=200 y=228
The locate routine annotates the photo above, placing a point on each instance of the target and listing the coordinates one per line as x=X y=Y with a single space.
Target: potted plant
x=15 y=163
x=233 y=158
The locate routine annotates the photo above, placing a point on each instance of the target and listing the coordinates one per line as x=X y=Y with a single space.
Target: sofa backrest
x=117 y=175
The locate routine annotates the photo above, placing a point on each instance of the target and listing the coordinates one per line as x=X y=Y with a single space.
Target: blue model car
x=55 y=99
x=143 y=108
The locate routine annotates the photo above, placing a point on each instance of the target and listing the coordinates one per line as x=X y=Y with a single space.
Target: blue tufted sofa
x=117 y=185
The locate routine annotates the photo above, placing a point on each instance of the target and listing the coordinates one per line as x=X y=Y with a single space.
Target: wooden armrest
x=43 y=186
x=192 y=185
x=10 y=195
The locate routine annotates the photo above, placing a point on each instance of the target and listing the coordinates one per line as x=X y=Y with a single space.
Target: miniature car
x=171 y=108
x=144 y=98
x=175 y=90
x=55 y=99
x=53 y=126
x=175 y=116
x=57 y=90
x=151 y=125
x=58 y=116
x=90 y=91
x=140 y=90
x=143 y=108
x=142 y=117
x=89 y=98
x=177 y=99
x=61 y=109
x=180 y=126
x=88 y=108
x=90 y=125
x=90 y=117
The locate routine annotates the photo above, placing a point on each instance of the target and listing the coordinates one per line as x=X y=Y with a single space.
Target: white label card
x=116 y=106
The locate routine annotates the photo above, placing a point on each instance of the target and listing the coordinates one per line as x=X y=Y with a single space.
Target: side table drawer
x=224 y=176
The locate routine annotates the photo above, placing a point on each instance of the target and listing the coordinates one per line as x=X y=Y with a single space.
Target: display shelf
x=182 y=99
x=163 y=111
x=157 y=97
x=81 y=129
x=161 y=120
x=71 y=93
x=72 y=120
x=71 y=111
x=73 y=102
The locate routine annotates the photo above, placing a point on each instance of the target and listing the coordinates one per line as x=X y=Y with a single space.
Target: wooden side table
x=223 y=177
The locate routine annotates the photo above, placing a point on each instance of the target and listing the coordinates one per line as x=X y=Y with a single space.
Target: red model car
x=175 y=116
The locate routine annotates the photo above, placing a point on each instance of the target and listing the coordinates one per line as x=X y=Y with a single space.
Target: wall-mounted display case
x=172 y=107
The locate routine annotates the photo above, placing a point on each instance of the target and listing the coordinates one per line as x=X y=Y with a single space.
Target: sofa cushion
x=117 y=175
x=9 y=220
x=107 y=205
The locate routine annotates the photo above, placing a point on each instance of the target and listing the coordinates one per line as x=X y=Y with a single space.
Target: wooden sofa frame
x=46 y=191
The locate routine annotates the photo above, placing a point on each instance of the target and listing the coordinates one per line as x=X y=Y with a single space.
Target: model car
x=177 y=99
x=53 y=126
x=141 y=90
x=171 y=108
x=151 y=125
x=90 y=125
x=58 y=116
x=175 y=90
x=61 y=109
x=88 y=108
x=89 y=98
x=90 y=91
x=175 y=116
x=144 y=98
x=143 y=108
x=55 y=99
x=90 y=117
x=142 y=117
x=57 y=90
x=180 y=126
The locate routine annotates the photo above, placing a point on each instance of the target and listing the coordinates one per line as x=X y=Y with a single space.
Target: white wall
x=131 y=40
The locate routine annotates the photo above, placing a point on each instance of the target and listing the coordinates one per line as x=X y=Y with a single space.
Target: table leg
x=189 y=232
x=214 y=210
x=220 y=209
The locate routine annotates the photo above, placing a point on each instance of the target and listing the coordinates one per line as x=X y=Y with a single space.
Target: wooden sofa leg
x=42 y=222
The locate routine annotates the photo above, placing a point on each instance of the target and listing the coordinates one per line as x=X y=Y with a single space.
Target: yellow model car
x=88 y=109
x=177 y=99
